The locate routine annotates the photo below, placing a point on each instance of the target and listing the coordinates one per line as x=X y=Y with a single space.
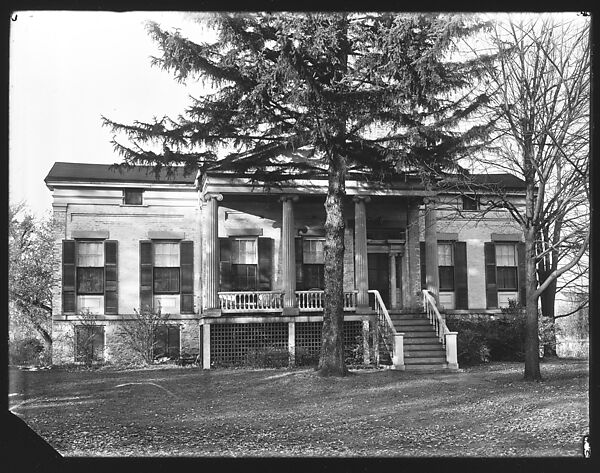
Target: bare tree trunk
x=532 y=360
x=331 y=362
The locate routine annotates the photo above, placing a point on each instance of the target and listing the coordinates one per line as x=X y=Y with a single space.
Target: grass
x=482 y=411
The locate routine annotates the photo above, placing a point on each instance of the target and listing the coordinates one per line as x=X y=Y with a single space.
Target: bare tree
x=30 y=271
x=142 y=331
x=541 y=106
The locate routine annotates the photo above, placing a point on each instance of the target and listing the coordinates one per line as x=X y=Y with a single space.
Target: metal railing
x=434 y=316
x=253 y=301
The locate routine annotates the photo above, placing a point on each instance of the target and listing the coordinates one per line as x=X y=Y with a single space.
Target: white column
x=398 y=352
x=360 y=252
x=206 y=346
x=212 y=254
x=393 y=282
x=451 y=350
x=431 y=253
x=288 y=262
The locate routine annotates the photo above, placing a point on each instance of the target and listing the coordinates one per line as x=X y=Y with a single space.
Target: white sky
x=66 y=70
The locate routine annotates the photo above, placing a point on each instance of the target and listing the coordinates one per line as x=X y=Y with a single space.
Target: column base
x=212 y=313
x=399 y=367
x=291 y=311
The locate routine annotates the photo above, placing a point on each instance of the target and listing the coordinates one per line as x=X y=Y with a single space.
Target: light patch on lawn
x=151 y=384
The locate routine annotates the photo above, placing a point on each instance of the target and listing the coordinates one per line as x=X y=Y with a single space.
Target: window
x=166 y=341
x=166 y=268
x=506 y=267
x=470 y=202
x=244 y=261
x=90 y=276
x=89 y=343
x=243 y=251
x=446 y=266
x=133 y=196
x=313 y=257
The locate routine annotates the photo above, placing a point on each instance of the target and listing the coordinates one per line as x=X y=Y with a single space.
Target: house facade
x=239 y=268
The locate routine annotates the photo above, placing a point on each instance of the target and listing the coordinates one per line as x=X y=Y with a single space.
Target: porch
x=254 y=323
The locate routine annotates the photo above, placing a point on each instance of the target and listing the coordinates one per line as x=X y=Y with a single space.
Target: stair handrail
x=435 y=318
x=385 y=327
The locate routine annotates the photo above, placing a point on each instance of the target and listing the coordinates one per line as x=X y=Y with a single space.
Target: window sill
x=133 y=205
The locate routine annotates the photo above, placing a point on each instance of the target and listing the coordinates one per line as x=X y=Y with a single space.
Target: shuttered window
x=90 y=268
x=446 y=266
x=506 y=267
x=167 y=268
x=245 y=264
x=90 y=276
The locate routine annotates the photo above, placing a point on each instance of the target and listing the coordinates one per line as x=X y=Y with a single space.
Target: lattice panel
x=308 y=342
x=243 y=344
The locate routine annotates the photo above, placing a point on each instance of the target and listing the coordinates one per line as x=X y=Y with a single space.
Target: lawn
x=482 y=411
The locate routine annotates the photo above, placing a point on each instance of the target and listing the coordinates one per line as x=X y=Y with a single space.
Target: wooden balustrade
x=251 y=301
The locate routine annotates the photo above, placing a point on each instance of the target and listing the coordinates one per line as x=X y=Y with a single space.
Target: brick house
x=239 y=268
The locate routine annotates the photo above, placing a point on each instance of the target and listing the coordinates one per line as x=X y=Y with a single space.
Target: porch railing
x=312 y=301
x=392 y=340
x=447 y=338
x=259 y=301
x=434 y=316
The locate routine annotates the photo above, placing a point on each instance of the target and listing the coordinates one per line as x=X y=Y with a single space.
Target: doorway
x=379 y=275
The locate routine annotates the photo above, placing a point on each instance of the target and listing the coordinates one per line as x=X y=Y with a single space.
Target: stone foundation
x=117 y=348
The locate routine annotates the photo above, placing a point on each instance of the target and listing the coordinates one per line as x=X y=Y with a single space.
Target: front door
x=379 y=274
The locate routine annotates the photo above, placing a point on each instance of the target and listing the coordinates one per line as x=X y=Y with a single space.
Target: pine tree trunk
x=331 y=362
x=532 y=360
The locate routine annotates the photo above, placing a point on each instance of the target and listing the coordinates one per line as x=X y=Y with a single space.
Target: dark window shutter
x=69 y=305
x=265 y=263
x=461 y=292
x=522 y=276
x=491 y=287
x=422 y=257
x=225 y=274
x=186 y=255
x=111 y=298
x=299 y=265
x=146 y=264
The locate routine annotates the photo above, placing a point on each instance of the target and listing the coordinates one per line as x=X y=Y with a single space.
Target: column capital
x=430 y=201
x=212 y=195
x=291 y=197
x=362 y=198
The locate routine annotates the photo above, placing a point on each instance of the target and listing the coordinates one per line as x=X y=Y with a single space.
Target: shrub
x=484 y=340
x=267 y=357
x=305 y=357
x=27 y=351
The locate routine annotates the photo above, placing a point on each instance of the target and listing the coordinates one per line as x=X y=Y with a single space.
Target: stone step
x=411 y=322
x=434 y=367
x=418 y=334
x=420 y=360
x=413 y=328
x=424 y=347
x=413 y=354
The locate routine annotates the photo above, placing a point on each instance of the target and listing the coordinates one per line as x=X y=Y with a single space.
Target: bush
x=484 y=340
x=27 y=351
x=267 y=357
x=305 y=357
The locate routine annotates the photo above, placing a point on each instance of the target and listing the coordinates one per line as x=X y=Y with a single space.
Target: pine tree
x=368 y=95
